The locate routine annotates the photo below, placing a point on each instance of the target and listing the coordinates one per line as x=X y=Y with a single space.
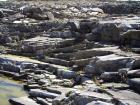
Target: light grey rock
x=8 y=12
x=82 y=62
x=83 y=54
x=44 y=82
x=53 y=90
x=50 y=16
x=67 y=83
x=41 y=43
x=108 y=63
x=133 y=73
x=57 y=81
x=126 y=96
x=84 y=97
x=58 y=61
x=121 y=86
x=99 y=103
x=22 y=101
x=32 y=86
x=42 y=94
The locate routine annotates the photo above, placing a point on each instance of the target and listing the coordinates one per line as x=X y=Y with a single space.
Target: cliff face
x=72 y=52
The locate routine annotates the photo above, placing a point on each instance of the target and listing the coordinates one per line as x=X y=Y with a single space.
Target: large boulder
x=86 y=26
x=109 y=63
x=131 y=38
x=28 y=10
x=120 y=8
x=111 y=77
x=36 y=13
x=107 y=32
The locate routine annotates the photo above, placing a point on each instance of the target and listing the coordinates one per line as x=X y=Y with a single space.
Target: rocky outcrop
x=131 y=38
x=75 y=53
x=121 y=8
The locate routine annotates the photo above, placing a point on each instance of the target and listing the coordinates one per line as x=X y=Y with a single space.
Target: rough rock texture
x=71 y=52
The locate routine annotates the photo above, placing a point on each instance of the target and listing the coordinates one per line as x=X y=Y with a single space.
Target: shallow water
x=10 y=89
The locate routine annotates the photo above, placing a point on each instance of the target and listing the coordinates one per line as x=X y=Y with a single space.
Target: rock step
x=93 y=52
x=99 y=103
x=42 y=94
x=58 y=61
x=53 y=67
x=74 y=48
x=133 y=73
x=120 y=86
x=61 y=71
x=82 y=56
x=40 y=43
x=125 y=96
x=22 y=101
x=82 y=62
x=64 y=56
x=9 y=74
x=108 y=63
x=84 y=97
x=42 y=101
x=53 y=90
x=32 y=86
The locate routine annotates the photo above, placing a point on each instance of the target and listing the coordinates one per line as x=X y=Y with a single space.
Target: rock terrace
x=70 y=53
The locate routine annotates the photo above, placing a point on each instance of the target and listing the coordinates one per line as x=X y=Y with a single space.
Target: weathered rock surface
x=76 y=53
x=134 y=83
x=22 y=101
x=109 y=63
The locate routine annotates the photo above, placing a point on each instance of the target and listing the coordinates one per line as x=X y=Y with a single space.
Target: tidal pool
x=10 y=89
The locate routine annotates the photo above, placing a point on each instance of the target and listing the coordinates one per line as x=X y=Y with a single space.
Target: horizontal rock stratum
x=71 y=52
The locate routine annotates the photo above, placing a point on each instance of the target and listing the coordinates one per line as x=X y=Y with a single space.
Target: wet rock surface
x=70 y=53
